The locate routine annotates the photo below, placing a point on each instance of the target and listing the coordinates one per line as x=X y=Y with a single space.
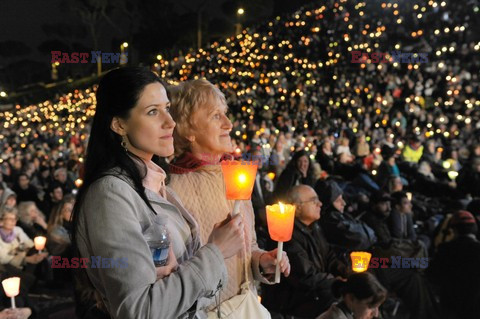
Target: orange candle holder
x=360 y=260
x=280 y=218
x=239 y=178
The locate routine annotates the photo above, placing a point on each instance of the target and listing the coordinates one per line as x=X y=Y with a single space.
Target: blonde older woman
x=31 y=219
x=14 y=245
x=201 y=138
x=14 y=242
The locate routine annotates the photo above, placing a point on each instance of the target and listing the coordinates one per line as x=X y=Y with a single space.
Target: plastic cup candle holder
x=280 y=218
x=239 y=178
x=11 y=286
x=39 y=242
x=360 y=260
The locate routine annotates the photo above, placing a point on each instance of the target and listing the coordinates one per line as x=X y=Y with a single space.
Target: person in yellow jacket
x=413 y=151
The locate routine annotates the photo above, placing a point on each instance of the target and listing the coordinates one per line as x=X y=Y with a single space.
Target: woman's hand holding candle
x=35 y=259
x=229 y=235
x=268 y=262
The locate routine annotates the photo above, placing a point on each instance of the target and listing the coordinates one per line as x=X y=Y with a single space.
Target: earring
x=124 y=143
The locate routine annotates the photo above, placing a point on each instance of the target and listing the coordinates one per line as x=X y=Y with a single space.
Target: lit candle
x=78 y=182
x=409 y=196
x=39 y=243
x=452 y=174
x=271 y=175
x=280 y=219
x=239 y=179
x=12 y=288
x=360 y=260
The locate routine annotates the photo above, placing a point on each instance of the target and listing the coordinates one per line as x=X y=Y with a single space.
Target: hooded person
x=330 y=194
x=342 y=231
x=8 y=199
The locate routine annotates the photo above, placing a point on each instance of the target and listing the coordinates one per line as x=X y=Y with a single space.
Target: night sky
x=163 y=27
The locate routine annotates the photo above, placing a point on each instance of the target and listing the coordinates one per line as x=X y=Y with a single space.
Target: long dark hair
x=117 y=94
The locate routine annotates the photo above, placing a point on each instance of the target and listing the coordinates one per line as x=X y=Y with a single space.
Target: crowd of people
x=379 y=157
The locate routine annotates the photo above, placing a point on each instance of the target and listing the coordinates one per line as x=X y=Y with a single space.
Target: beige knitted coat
x=203 y=195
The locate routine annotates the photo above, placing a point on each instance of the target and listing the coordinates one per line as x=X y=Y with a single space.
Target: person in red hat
x=455 y=269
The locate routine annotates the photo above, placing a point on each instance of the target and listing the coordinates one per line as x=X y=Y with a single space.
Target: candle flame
x=242 y=178
x=78 y=182
x=282 y=208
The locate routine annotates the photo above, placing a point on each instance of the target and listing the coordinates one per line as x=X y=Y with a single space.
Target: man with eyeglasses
x=306 y=293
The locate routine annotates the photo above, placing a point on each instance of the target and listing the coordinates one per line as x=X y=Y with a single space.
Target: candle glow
x=40 y=242
x=11 y=286
x=280 y=219
x=239 y=179
x=360 y=260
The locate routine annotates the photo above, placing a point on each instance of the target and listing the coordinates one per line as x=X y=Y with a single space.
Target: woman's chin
x=227 y=147
x=165 y=151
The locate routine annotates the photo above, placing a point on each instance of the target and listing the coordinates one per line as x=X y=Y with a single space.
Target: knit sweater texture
x=202 y=192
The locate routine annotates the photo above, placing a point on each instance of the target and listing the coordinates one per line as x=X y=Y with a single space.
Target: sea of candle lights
x=299 y=63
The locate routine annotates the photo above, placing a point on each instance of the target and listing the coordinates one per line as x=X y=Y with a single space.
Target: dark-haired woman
x=58 y=237
x=124 y=193
x=361 y=295
x=298 y=171
x=59 y=225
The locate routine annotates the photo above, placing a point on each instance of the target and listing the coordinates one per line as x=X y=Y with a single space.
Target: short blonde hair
x=186 y=99
x=8 y=210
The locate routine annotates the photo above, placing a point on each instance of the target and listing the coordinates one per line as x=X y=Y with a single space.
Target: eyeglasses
x=314 y=200
x=9 y=218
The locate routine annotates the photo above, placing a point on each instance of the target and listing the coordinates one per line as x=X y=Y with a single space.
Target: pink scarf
x=187 y=163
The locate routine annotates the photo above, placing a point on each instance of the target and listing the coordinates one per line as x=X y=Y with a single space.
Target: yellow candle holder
x=360 y=260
